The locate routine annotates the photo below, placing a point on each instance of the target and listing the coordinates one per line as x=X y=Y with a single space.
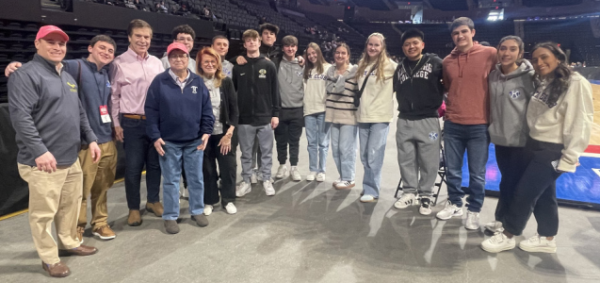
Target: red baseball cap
x=46 y=30
x=177 y=45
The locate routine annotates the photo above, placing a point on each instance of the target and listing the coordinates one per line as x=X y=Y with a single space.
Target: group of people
x=179 y=116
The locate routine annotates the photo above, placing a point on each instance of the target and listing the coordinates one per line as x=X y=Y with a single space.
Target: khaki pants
x=97 y=179
x=54 y=197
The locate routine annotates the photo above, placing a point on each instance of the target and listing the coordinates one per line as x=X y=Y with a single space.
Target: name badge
x=104 y=114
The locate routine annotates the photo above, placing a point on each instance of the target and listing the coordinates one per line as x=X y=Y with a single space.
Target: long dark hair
x=562 y=73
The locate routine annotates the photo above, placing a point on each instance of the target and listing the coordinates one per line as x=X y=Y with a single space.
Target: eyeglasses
x=180 y=56
x=208 y=63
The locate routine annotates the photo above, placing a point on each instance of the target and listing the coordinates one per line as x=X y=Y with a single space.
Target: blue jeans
x=343 y=147
x=139 y=151
x=170 y=163
x=475 y=140
x=317 y=134
x=373 y=138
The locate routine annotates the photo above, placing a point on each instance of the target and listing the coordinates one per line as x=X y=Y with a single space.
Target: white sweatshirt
x=568 y=122
x=315 y=91
x=377 y=100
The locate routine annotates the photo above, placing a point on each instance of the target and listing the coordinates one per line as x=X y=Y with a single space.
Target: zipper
x=252 y=74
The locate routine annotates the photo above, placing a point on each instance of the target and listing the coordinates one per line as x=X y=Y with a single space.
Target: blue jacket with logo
x=46 y=113
x=178 y=115
x=94 y=91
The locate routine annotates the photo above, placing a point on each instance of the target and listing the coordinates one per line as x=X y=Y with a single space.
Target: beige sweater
x=315 y=91
x=567 y=123
x=377 y=100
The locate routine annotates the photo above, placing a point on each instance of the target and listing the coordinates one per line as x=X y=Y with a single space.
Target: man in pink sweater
x=466 y=72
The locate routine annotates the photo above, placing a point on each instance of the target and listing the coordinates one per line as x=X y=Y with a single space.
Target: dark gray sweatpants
x=418 y=144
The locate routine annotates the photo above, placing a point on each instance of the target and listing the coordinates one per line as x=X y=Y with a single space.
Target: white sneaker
x=243 y=189
x=269 y=190
x=451 y=210
x=537 y=244
x=405 y=201
x=498 y=243
x=311 y=177
x=281 y=172
x=339 y=180
x=345 y=185
x=321 y=177
x=425 y=208
x=295 y=174
x=253 y=177
x=472 y=222
x=368 y=198
x=230 y=208
x=208 y=209
x=494 y=227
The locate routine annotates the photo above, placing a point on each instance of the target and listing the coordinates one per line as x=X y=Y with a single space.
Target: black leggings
x=536 y=191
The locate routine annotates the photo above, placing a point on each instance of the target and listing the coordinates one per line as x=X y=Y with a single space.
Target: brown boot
x=79 y=251
x=134 y=218
x=156 y=208
x=57 y=270
x=80 y=231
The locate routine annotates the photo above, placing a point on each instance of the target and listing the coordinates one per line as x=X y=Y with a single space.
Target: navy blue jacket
x=177 y=115
x=94 y=91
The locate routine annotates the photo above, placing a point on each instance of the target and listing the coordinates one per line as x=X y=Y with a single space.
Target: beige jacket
x=568 y=122
x=377 y=100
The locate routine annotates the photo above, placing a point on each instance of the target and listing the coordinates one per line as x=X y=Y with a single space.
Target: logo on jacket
x=262 y=74
x=514 y=94
x=194 y=88
x=72 y=86
x=107 y=84
x=433 y=136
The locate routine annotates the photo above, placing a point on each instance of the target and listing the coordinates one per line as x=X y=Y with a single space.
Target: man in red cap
x=50 y=122
x=179 y=122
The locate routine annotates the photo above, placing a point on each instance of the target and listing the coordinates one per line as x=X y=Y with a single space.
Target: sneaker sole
x=429 y=213
x=471 y=228
x=103 y=237
x=344 y=188
x=453 y=215
x=548 y=250
x=495 y=251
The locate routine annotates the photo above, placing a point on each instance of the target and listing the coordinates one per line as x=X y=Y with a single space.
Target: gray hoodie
x=509 y=98
x=291 y=83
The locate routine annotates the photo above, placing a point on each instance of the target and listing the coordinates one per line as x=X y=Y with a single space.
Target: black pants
x=536 y=191
x=139 y=151
x=227 y=172
x=511 y=164
x=291 y=121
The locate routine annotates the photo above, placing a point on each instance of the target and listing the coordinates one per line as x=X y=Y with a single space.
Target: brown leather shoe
x=104 y=233
x=79 y=251
x=156 y=208
x=80 y=231
x=134 y=219
x=57 y=270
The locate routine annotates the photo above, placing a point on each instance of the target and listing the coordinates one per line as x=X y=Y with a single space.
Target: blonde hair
x=320 y=60
x=382 y=59
x=208 y=51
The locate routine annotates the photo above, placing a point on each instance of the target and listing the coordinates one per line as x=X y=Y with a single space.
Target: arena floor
x=309 y=232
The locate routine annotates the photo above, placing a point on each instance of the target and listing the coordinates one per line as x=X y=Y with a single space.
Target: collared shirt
x=215 y=100
x=180 y=83
x=131 y=77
